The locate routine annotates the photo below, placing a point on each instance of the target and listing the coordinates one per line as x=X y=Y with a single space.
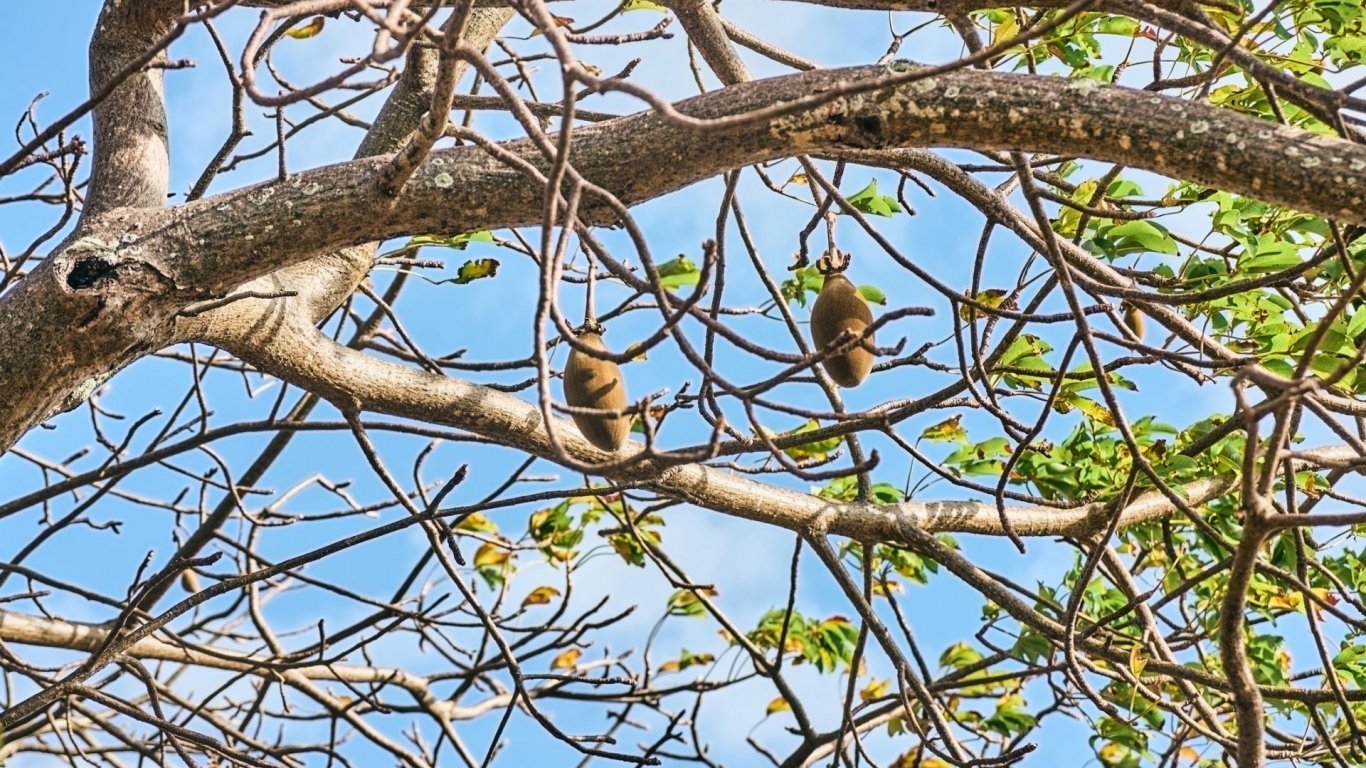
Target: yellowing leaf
x=1289 y=601
x=1136 y=660
x=798 y=178
x=688 y=659
x=657 y=414
x=313 y=27
x=1006 y=30
x=875 y=689
x=1112 y=753
x=946 y=431
x=884 y=588
x=540 y=596
x=491 y=554
x=567 y=660
x=1133 y=318
x=896 y=725
x=476 y=269
x=560 y=21
x=991 y=297
x=643 y=5
x=777 y=705
x=1093 y=410
x=477 y=522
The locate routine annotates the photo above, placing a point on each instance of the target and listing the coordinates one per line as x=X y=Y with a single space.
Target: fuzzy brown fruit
x=593 y=383
x=840 y=307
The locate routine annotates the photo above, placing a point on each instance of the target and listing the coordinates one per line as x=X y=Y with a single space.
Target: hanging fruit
x=840 y=307
x=590 y=382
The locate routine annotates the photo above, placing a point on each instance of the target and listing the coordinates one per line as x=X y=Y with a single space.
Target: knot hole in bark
x=89 y=272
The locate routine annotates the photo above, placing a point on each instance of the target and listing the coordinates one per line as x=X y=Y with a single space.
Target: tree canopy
x=806 y=382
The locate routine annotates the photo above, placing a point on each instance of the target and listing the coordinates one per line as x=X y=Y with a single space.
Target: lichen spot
x=249 y=238
x=1125 y=142
x=952 y=92
x=443 y=180
x=1013 y=116
x=1357 y=165
x=1231 y=137
x=925 y=86
x=1083 y=85
x=1199 y=126
x=1310 y=162
x=311 y=189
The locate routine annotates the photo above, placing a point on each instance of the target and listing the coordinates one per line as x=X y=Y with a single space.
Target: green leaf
x=959 y=655
x=1272 y=257
x=873 y=295
x=458 y=242
x=1145 y=235
x=678 y=273
x=686 y=603
x=870 y=202
x=803 y=281
x=818 y=449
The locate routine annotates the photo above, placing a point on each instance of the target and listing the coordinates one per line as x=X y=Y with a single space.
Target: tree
x=1102 y=479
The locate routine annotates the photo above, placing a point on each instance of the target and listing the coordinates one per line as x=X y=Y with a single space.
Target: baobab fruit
x=189 y=581
x=590 y=382
x=1133 y=318
x=839 y=308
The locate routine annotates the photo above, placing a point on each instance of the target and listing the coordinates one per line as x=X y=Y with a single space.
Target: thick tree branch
x=112 y=296
x=132 y=161
x=301 y=355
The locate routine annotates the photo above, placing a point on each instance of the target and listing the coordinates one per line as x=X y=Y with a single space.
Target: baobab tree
x=911 y=382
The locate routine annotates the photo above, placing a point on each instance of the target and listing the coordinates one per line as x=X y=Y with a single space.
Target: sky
x=748 y=562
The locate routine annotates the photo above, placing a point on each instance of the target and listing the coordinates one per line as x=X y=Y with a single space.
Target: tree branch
x=148 y=264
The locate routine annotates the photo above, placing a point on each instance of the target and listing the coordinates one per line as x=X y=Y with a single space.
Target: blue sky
x=748 y=562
